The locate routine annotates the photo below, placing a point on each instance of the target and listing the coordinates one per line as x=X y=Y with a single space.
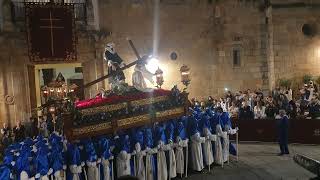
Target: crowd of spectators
x=43 y=125
x=250 y=104
x=246 y=104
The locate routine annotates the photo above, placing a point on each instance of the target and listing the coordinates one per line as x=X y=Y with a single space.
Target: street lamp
x=159 y=77
x=185 y=75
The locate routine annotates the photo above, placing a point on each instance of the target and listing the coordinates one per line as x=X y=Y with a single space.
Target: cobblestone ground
x=259 y=161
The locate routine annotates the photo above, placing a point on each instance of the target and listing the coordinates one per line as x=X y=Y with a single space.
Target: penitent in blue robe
x=170 y=130
x=57 y=160
x=22 y=162
x=182 y=142
x=5 y=172
x=137 y=140
x=162 y=171
x=124 y=157
x=74 y=162
x=42 y=162
x=91 y=161
x=196 y=144
x=106 y=155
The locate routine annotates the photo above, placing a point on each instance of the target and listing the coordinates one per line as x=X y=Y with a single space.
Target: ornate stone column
x=93 y=15
x=93 y=65
x=270 y=52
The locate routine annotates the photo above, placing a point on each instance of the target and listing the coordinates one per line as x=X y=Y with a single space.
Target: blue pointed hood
x=181 y=130
x=105 y=147
x=8 y=159
x=125 y=143
x=74 y=155
x=42 y=163
x=205 y=122
x=28 y=141
x=57 y=160
x=91 y=152
x=138 y=137
x=170 y=131
x=225 y=120
x=194 y=127
x=148 y=138
x=5 y=172
x=160 y=134
x=209 y=112
x=22 y=162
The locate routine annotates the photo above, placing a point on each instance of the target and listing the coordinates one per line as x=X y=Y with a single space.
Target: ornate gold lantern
x=159 y=77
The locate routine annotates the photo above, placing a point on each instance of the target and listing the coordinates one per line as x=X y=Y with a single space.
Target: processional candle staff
x=185 y=75
x=45 y=92
x=159 y=77
x=52 y=111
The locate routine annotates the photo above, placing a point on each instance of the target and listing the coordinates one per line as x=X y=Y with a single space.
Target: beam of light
x=152 y=65
x=156 y=27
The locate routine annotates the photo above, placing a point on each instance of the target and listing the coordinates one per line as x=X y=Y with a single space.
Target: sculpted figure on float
x=115 y=62
x=140 y=74
x=117 y=80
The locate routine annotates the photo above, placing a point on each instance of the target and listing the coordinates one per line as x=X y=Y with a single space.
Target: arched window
x=236 y=57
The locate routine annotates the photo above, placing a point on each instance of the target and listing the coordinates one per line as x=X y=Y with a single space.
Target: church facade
x=233 y=44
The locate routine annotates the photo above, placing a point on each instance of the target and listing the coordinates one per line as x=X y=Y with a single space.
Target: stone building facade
x=234 y=44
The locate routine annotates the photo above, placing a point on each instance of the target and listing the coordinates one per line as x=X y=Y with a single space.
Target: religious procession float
x=124 y=107
x=102 y=138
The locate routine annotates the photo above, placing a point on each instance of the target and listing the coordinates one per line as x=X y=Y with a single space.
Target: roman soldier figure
x=114 y=64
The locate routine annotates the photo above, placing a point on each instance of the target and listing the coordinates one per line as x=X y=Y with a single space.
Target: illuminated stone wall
x=295 y=54
x=203 y=34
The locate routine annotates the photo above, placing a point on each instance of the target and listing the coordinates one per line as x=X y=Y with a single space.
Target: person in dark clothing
x=34 y=127
x=50 y=124
x=270 y=110
x=306 y=92
x=115 y=62
x=283 y=102
x=19 y=132
x=210 y=102
x=245 y=112
x=283 y=124
x=314 y=108
x=292 y=109
x=5 y=132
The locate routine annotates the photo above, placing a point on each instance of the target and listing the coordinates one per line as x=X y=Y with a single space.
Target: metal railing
x=18 y=8
x=308 y=163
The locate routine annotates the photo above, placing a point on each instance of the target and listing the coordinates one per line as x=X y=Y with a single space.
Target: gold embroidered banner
x=51 y=32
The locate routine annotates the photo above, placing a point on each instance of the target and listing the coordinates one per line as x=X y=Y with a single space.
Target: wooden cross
x=51 y=27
